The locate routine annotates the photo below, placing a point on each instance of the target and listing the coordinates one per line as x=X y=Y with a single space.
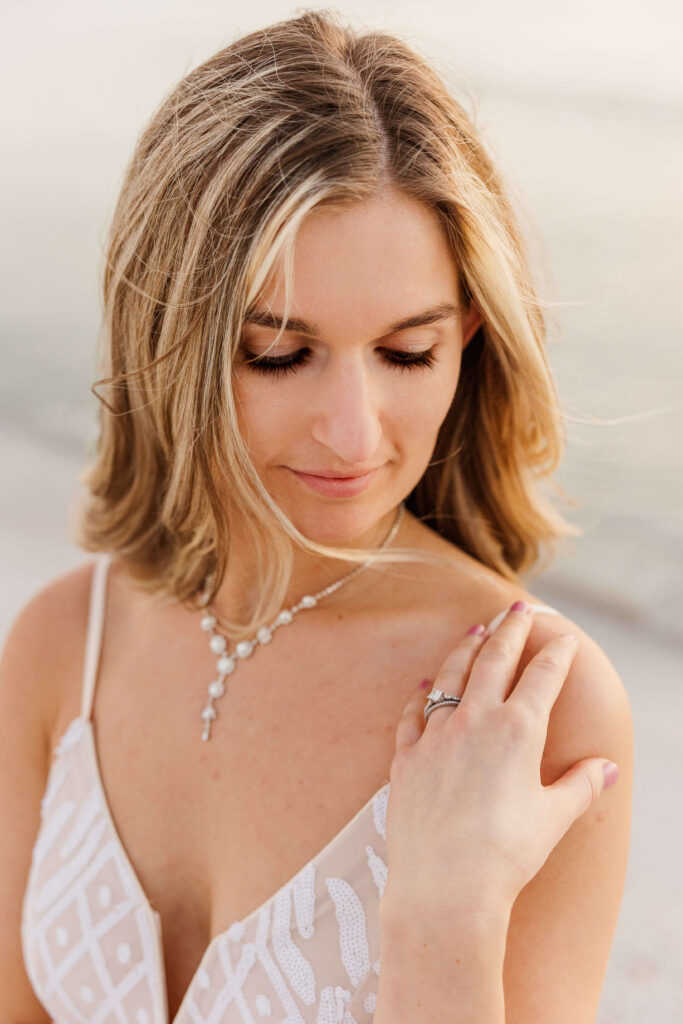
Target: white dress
x=92 y=943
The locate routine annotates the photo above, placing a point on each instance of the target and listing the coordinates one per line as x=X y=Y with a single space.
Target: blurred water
x=597 y=179
x=581 y=105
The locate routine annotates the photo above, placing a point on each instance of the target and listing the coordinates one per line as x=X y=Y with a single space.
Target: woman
x=326 y=407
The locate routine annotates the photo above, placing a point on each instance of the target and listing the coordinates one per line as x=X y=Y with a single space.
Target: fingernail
x=425 y=682
x=611 y=773
x=520 y=606
x=476 y=630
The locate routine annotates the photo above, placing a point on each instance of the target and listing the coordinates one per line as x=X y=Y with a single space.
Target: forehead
x=371 y=262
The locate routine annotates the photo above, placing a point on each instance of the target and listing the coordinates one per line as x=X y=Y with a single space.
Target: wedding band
x=438 y=698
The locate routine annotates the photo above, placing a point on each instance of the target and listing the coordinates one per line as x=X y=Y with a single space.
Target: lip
x=337 y=486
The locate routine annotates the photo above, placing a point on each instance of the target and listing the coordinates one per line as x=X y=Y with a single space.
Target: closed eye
x=280 y=365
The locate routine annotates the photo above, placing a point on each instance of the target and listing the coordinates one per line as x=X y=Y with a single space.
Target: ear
x=471 y=321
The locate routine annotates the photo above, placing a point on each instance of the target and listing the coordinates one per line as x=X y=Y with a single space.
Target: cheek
x=265 y=415
x=445 y=387
x=272 y=418
x=421 y=411
x=249 y=407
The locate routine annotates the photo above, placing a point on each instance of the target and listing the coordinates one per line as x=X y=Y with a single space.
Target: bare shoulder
x=562 y=924
x=567 y=914
x=592 y=713
x=41 y=657
x=43 y=651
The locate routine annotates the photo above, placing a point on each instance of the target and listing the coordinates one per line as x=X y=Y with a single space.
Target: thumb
x=582 y=784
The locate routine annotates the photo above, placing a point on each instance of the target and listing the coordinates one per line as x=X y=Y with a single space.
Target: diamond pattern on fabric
x=92 y=943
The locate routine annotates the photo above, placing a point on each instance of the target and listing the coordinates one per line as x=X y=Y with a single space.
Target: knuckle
x=461 y=717
x=519 y=717
x=456 y=660
x=437 y=717
x=401 y=764
x=496 y=649
x=534 y=709
x=592 y=790
x=412 y=705
x=546 y=663
x=452 y=673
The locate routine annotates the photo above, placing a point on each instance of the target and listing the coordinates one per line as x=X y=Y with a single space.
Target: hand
x=468 y=821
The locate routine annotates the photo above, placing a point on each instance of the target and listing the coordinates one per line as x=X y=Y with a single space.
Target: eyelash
x=288 y=364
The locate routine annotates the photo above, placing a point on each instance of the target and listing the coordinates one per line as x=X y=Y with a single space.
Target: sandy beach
x=580 y=107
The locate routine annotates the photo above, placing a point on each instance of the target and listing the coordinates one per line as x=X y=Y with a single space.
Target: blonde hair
x=299 y=115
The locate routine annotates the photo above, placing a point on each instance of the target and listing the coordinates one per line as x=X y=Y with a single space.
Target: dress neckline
x=90 y=673
x=161 y=978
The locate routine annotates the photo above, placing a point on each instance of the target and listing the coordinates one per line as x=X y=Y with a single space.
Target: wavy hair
x=299 y=115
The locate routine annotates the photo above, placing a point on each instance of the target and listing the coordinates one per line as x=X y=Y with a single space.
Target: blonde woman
x=298 y=744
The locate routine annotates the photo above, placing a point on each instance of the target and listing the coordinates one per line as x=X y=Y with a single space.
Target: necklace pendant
x=218 y=644
x=208 y=714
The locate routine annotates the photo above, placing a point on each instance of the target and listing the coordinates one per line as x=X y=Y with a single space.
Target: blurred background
x=580 y=104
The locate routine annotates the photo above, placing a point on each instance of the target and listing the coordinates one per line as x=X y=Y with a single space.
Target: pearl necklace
x=227 y=663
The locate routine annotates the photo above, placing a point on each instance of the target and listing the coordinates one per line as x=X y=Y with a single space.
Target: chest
x=304 y=737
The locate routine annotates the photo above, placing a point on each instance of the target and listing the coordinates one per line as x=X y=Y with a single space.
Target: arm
x=550 y=964
x=43 y=645
x=563 y=922
x=452 y=977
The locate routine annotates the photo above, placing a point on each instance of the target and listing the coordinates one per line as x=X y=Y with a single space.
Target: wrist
x=402 y=935
x=469 y=915
x=433 y=970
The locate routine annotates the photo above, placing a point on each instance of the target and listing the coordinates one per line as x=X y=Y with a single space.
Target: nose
x=346 y=413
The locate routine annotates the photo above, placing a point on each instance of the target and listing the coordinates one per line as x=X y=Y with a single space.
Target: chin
x=336 y=522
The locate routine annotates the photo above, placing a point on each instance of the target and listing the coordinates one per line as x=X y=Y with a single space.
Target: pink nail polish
x=520 y=606
x=611 y=773
x=476 y=630
x=425 y=682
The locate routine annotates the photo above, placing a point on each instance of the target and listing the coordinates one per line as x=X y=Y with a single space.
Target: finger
x=411 y=723
x=540 y=683
x=494 y=667
x=579 y=788
x=453 y=674
x=450 y=678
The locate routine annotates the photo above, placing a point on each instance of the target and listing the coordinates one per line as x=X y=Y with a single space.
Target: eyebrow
x=264 y=318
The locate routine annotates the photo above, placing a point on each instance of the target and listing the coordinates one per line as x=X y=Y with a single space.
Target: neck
x=311 y=573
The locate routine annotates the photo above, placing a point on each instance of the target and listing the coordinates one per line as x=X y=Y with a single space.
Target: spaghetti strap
x=538 y=608
x=93 y=637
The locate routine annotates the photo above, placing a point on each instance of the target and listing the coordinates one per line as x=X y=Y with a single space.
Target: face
x=360 y=382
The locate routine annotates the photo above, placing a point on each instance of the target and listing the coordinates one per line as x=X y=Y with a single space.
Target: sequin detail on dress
x=92 y=942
